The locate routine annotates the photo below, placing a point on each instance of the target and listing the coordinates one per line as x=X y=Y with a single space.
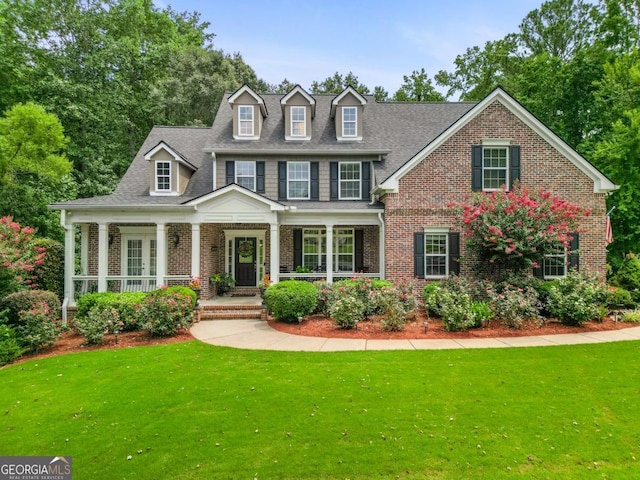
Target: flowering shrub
x=456 y=311
x=164 y=312
x=38 y=327
x=100 y=321
x=576 y=298
x=291 y=299
x=266 y=281
x=518 y=227
x=26 y=300
x=19 y=253
x=127 y=305
x=395 y=314
x=513 y=305
x=347 y=311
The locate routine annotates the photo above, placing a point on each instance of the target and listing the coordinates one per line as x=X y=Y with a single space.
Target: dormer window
x=245 y=120
x=349 y=122
x=163 y=176
x=298 y=122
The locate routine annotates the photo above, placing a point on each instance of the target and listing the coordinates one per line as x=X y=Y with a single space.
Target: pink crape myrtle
x=18 y=251
x=517 y=228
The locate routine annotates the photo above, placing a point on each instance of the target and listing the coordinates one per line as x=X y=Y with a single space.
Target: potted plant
x=195 y=284
x=264 y=284
x=223 y=281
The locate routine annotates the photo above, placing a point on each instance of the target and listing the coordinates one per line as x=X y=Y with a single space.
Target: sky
x=379 y=41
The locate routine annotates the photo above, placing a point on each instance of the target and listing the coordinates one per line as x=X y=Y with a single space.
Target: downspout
x=213 y=180
x=382 y=245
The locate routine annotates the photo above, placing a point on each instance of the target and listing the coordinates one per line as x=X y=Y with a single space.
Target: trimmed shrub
x=165 y=312
x=620 y=298
x=456 y=311
x=347 y=311
x=628 y=275
x=98 y=322
x=182 y=290
x=395 y=316
x=291 y=299
x=50 y=274
x=126 y=304
x=430 y=296
x=325 y=297
x=513 y=305
x=576 y=298
x=482 y=312
x=10 y=348
x=14 y=303
x=544 y=291
x=38 y=327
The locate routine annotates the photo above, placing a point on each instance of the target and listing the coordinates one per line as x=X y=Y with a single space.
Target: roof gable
x=601 y=184
x=298 y=90
x=171 y=151
x=235 y=196
x=347 y=91
x=248 y=90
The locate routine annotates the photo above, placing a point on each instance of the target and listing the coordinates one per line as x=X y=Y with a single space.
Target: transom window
x=298 y=124
x=350 y=186
x=435 y=250
x=349 y=122
x=245 y=120
x=555 y=262
x=494 y=167
x=314 y=244
x=298 y=180
x=163 y=176
x=246 y=175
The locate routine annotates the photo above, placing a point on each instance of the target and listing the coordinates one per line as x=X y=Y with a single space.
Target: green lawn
x=191 y=410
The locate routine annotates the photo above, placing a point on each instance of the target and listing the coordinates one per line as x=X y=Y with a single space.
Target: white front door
x=139 y=260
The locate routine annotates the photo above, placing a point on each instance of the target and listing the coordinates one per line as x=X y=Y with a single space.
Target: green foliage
x=10 y=347
x=456 y=311
x=631 y=316
x=482 y=312
x=49 y=275
x=19 y=254
x=394 y=314
x=126 y=304
x=291 y=299
x=577 y=298
x=224 y=281
x=430 y=297
x=97 y=323
x=181 y=290
x=628 y=275
x=417 y=87
x=513 y=305
x=38 y=327
x=347 y=311
x=620 y=298
x=26 y=300
x=164 y=312
x=337 y=83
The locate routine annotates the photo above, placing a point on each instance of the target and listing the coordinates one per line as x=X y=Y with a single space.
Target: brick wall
x=444 y=177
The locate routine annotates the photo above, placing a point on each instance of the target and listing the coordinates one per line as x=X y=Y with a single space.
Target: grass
x=191 y=410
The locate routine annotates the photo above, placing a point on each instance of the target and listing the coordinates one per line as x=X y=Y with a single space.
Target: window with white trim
x=163 y=176
x=349 y=121
x=555 y=262
x=314 y=249
x=245 y=120
x=436 y=254
x=298 y=180
x=495 y=161
x=246 y=174
x=298 y=122
x=350 y=181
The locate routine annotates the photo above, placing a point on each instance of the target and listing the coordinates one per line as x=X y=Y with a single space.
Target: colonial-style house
x=329 y=185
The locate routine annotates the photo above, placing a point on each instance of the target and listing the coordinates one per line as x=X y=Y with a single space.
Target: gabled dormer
x=169 y=171
x=298 y=109
x=347 y=110
x=249 y=112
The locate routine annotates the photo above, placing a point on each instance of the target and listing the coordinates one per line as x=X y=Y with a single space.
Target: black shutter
x=476 y=168
x=260 y=177
x=297 y=248
x=366 y=180
x=454 y=253
x=418 y=254
x=333 y=183
x=514 y=165
x=538 y=271
x=574 y=254
x=282 y=180
x=231 y=172
x=359 y=240
x=315 y=181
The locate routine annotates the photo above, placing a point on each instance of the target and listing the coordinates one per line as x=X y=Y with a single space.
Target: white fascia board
x=246 y=88
x=174 y=153
x=274 y=206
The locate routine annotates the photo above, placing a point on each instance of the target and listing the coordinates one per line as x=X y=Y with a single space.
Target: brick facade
x=444 y=177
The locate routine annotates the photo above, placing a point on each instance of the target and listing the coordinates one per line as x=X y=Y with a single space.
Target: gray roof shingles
x=401 y=129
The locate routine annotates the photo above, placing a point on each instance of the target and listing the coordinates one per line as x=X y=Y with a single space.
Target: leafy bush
x=14 y=303
x=619 y=298
x=628 y=275
x=632 y=316
x=182 y=290
x=576 y=298
x=291 y=299
x=164 y=312
x=395 y=315
x=50 y=273
x=482 y=312
x=38 y=327
x=513 y=305
x=347 y=311
x=325 y=297
x=456 y=311
x=126 y=304
x=430 y=296
x=10 y=347
x=98 y=322
x=544 y=291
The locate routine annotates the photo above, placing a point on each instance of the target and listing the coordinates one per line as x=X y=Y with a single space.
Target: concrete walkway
x=258 y=335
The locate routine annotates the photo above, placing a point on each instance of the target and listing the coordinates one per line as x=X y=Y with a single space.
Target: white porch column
x=103 y=256
x=161 y=254
x=274 y=252
x=329 y=230
x=195 y=249
x=84 y=249
x=381 y=242
x=69 y=262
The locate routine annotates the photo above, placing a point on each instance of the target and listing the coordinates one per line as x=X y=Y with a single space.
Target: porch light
x=175 y=239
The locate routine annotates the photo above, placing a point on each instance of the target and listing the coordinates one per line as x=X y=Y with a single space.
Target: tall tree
x=417 y=87
x=337 y=83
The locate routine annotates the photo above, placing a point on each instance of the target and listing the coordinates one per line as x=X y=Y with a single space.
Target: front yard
x=189 y=410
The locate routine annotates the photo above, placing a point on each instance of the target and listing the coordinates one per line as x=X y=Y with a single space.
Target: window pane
x=494 y=167
x=435 y=255
x=298 y=179
x=163 y=175
x=245 y=174
x=349 y=122
x=245 y=117
x=297 y=121
x=349 y=180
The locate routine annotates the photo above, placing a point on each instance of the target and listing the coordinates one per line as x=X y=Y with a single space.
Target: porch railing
x=312 y=277
x=121 y=283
